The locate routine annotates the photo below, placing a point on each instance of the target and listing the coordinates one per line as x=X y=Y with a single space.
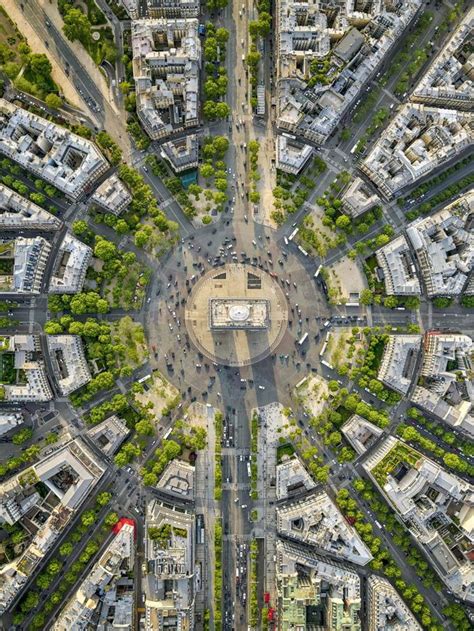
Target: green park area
x=30 y=72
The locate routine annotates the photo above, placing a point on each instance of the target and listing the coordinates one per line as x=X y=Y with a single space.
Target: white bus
x=303 y=339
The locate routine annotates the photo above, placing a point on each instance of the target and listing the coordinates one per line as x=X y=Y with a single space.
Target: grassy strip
x=253 y=464
x=254 y=613
x=217 y=574
x=217 y=455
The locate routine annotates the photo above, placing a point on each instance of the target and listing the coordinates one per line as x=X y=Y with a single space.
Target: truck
x=303 y=339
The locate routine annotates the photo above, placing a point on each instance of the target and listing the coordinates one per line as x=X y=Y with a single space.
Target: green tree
x=66 y=549
x=111 y=519
x=88 y=518
x=77 y=26
x=103 y=498
x=366 y=297
x=53 y=101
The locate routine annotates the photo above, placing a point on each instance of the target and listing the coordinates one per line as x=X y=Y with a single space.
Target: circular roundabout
x=236 y=315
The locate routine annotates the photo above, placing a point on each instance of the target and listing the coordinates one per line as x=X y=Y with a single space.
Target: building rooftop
x=9 y=419
x=70 y=266
x=101 y=583
x=68 y=474
x=398 y=268
x=358 y=198
x=419 y=139
x=69 y=362
x=360 y=433
x=316 y=521
x=447 y=388
x=112 y=195
x=291 y=155
x=444 y=248
x=172 y=8
x=449 y=82
x=182 y=153
x=166 y=67
x=313 y=590
x=24 y=262
x=169 y=579
x=109 y=435
x=178 y=479
x=399 y=361
x=327 y=56
x=436 y=505
x=69 y=162
x=386 y=609
x=292 y=478
x=18 y=213
x=30 y=382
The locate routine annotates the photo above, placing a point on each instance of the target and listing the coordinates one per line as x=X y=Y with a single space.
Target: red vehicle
x=271 y=614
x=266 y=598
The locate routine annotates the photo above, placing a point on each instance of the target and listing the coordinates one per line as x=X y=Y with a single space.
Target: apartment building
x=169 y=579
x=446 y=391
x=70 y=266
x=182 y=153
x=314 y=593
x=326 y=54
x=112 y=195
x=109 y=435
x=18 y=213
x=166 y=67
x=68 y=474
x=419 y=139
x=360 y=433
x=316 y=521
x=398 y=268
x=291 y=155
x=26 y=381
x=24 y=262
x=386 y=609
x=436 y=506
x=177 y=480
x=399 y=362
x=105 y=598
x=449 y=82
x=444 y=247
x=292 y=478
x=358 y=198
x=172 y=9
x=9 y=420
x=69 y=362
x=69 y=162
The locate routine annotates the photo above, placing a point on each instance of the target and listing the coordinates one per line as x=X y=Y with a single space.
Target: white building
x=398 y=268
x=24 y=262
x=444 y=247
x=436 y=506
x=360 y=433
x=70 y=266
x=9 y=420
x=18 y=213
x=449 y=82
x=69 y=162
x=169 y=579
x=386 y=609
x=327 y=53
x=182 y=153
x=357 y=199
x=316 y=521
x=419 y=139
x=292 y=478
x=105 y=579
x=109 y=435
x=112 y=195
x=447 y=390
x=399 y=361
x=69 y=474
x=32 y=382
x=166 y=66
x=69 y=362
x=172 y=8
x=291 y=155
